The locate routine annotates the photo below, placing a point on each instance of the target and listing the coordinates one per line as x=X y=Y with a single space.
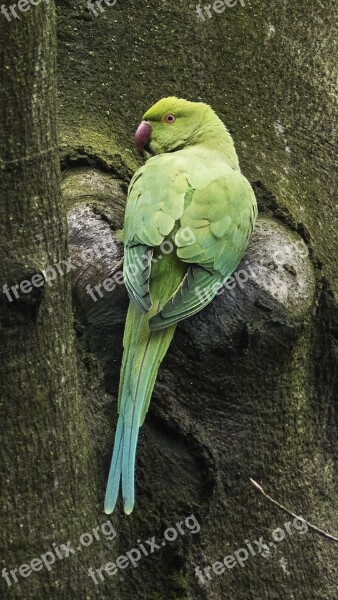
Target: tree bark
x=48 y=487
x=248 y=388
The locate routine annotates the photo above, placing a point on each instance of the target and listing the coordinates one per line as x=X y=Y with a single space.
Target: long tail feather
x=143 y=353
x=113 y=484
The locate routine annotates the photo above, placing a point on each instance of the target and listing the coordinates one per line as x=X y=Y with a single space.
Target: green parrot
x=189 y=216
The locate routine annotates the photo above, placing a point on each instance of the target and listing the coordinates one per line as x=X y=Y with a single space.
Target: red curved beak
x=142 y=136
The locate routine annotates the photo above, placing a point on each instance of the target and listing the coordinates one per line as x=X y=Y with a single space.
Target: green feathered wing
x=205 y=215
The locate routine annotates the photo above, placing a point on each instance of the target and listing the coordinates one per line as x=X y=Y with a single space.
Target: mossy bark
x=248 y=386
x=48 y=487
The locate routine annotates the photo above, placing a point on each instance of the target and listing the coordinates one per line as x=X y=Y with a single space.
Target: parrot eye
x=169 y=119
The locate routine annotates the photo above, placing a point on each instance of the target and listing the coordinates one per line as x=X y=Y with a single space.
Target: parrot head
x=173 y=123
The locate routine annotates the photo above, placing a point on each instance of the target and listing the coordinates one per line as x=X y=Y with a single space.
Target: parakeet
x=189 y=216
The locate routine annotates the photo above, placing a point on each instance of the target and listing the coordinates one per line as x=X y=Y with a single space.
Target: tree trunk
x=48 y=487
x=248 y=388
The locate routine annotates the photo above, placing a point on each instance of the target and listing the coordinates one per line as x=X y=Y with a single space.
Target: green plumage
x=189 y=216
